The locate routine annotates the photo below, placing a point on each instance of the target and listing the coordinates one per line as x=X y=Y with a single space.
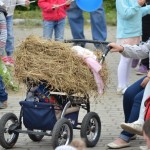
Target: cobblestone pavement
x=108 y=106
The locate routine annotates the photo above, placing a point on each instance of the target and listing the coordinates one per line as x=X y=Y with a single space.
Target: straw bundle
x=38 y=59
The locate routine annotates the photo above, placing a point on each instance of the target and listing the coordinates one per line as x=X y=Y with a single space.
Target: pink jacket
x=49 y=13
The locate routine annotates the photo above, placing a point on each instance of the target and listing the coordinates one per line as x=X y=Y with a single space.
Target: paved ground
x=108 y=106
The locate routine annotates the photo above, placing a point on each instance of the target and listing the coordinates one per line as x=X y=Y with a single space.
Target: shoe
x=142 y=70
x=117 y=146
x=133 y=137
x=7 y=60
x=143 y=148
x=10 y=61
x=3 y=105
x=121 y=91
x=135 y=62
x=132 y=128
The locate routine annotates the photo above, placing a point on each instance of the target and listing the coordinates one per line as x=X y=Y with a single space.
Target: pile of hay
x=38 y=59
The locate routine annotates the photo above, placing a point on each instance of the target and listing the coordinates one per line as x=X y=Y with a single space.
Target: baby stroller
x=55 y=114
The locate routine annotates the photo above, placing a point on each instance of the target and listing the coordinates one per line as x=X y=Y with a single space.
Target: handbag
x=38 y=115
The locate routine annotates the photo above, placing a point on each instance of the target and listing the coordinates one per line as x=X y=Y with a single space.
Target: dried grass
x=38 y=59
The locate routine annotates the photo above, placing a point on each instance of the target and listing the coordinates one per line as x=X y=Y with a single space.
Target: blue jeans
x=131 y=104
x=10 y=36
x=56 y=26
x=3 y=93
x=76 y=21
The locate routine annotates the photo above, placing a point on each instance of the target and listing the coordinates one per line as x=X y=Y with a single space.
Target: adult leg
x=136 y=126
x=10 y=36
x=98 y=25
x=76 y=21
x=144 y=64
x=59 y=30
x=132 y=100
x=131 y=105
x=48 y=27
x=142 y=108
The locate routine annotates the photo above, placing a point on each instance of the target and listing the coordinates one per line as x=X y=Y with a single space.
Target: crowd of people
x=133 y=21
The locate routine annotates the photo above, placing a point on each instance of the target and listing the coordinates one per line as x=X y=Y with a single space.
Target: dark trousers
x=3 y=93
x=131 y=105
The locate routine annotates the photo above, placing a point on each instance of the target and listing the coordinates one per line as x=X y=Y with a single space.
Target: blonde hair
x=79 y=144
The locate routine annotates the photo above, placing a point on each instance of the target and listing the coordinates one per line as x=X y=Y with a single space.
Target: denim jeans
x=131 y=104
x=10 y=36
x=56 y=26
x=98 y=23
x=3 y=93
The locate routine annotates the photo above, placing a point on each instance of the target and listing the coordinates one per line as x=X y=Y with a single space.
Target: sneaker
x=121 y=91
x=7 y=60
x=133 y=137
x=10 y=61
x=142 y=70
x=143 y=148
x=3 y=105
x=135 y=63
x=133 y=128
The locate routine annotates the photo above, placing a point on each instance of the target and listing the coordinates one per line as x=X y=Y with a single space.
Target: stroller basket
x=38 y=115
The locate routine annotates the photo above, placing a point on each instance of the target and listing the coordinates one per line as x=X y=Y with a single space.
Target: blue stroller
x=46 y=113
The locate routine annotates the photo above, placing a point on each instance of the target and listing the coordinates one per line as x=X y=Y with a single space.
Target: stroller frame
x=90 y=124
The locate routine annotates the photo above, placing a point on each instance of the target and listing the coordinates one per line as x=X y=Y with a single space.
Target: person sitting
x=133 y=95
x=136 y=126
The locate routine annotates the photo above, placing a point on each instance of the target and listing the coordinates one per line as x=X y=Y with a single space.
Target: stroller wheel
x=91 y=129
x=62 y=133
x=36 y=138
x=8 y=138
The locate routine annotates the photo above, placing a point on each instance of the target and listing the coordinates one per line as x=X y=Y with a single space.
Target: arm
x=46 y=6
x=23 y=2
x=145 y=10
x=125 y=10
x=140 y=52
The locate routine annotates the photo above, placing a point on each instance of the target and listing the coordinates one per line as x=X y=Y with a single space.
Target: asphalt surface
x=108 y=106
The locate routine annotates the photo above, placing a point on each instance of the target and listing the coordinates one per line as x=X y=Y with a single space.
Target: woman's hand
x=115 y=47
x=145 y=81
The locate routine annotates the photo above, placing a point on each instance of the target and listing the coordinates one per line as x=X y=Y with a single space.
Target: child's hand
x=55 y=6
x=115 y=47
x=68 y=2
x=141 y=2
x=27 y=2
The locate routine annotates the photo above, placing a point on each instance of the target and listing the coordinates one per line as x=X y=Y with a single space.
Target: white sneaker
x=133 y=128
x=121 y=91
x=143 y=148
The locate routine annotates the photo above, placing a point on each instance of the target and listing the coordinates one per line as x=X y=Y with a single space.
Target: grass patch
x=36 y=15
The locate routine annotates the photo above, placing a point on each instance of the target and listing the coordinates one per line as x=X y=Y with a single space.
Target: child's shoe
x=10 y=61
x=3 y=104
